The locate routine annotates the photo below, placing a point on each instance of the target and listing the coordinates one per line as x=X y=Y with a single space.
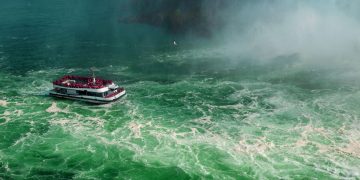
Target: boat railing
x=119 y=90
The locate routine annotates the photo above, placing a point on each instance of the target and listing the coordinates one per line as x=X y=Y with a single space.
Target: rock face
x=178 y=16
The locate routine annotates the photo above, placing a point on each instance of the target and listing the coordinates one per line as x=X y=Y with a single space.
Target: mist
x=316 y=32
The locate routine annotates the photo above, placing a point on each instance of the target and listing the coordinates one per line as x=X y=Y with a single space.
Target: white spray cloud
x=321 y=31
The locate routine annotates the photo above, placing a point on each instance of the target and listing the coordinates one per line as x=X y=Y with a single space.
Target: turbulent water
x=191 y=111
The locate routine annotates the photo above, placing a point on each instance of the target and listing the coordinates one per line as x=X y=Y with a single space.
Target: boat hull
x=89 y=99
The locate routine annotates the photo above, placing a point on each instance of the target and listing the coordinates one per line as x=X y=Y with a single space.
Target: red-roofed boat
x=89 y=89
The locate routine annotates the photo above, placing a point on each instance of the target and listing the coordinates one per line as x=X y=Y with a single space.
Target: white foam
x=6 y=120
x=61 y=122
x=22 y=139
x=353 y=147
x=90 y=149
x=260 y=146
x=7 y=113
x=3 y=103
x=54 y=109
x=301 y=143
x=135 y=129
x=203 y=120
x=18 y=112
x=98 y=121
x=309 y=130
x=7 y=167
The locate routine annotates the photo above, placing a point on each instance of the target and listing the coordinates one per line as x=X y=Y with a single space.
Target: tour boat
x=88 y=89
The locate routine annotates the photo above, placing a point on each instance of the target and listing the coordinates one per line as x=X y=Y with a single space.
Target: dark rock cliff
x=179 y=16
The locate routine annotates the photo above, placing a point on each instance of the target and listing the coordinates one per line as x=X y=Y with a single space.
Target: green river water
x=191 y=112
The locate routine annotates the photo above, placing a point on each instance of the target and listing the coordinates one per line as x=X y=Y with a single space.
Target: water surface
x=191 y=112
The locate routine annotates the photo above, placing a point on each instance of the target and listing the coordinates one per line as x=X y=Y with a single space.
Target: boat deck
x=82 y=82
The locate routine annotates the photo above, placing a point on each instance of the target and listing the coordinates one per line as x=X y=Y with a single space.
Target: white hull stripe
x=88 y=98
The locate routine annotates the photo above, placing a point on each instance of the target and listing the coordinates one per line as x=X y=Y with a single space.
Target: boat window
x=62 y=91
x=95 y=94
x=106 y=93
x=81 y=92
x=71 y=91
